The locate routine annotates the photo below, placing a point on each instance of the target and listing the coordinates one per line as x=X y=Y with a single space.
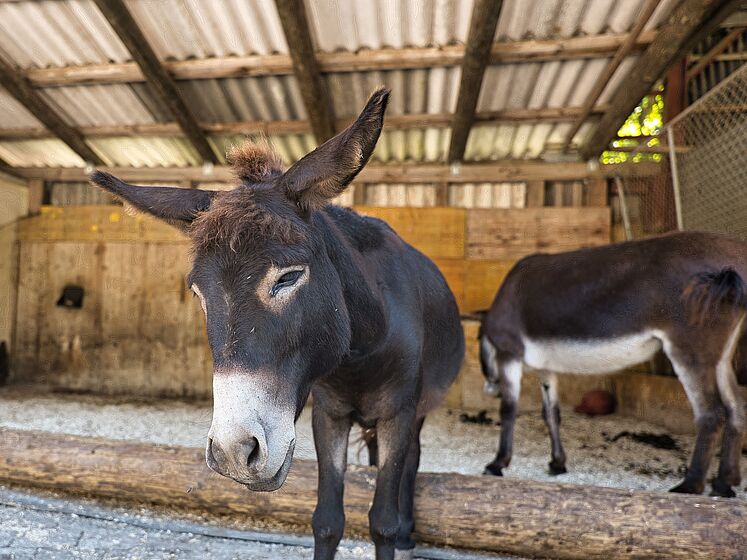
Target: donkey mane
x=254 y=162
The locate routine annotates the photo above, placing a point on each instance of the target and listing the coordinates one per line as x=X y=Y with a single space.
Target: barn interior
x=514 y=127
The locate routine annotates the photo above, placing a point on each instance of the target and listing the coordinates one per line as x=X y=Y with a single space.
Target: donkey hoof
x=722 y=489
x=556 y=469
x=686 y=487
x=495 y=470
x=408 y=554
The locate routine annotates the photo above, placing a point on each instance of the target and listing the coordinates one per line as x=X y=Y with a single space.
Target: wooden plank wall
x=140 y=331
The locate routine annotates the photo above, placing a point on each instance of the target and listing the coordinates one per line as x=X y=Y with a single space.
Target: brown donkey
x=302 y=296
x=607 y=308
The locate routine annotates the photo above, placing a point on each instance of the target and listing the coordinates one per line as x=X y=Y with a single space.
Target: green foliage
x=646 y=120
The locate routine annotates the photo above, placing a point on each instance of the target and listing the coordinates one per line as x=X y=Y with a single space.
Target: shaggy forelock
x=254 y=162
x=245 y=213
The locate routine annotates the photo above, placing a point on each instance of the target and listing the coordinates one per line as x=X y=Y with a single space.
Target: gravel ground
x=449 y=445
x=40 y=525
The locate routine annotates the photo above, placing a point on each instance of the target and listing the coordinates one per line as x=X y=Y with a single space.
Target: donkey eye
x=286 y=280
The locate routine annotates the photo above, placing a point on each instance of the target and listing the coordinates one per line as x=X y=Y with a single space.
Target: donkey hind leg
x=331 y=441
x=394 y=435
x=510 y=385
x=731 y=446
x=701 y=389
x=551 y=415
x=405 y=544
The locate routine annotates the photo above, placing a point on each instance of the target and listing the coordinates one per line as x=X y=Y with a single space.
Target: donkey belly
x=590 y=356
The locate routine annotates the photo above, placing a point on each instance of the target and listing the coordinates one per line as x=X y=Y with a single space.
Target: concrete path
x=36 y=526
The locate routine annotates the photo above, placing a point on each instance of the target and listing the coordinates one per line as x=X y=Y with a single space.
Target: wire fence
x=701 y=183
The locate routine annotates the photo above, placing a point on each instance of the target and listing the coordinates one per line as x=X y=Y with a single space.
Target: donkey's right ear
x=177 y=206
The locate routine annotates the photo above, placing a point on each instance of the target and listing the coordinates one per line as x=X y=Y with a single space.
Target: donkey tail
x=710 y=293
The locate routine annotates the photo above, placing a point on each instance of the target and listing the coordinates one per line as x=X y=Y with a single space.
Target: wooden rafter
x=717 y=49
x=610 y=69
x=306 y=69
x=8 y=169
x=159 y=80
x=689 y=21
x=484 y=21
x=508 y=170
x=395 y=122
x=573 y=48
x=22 y=90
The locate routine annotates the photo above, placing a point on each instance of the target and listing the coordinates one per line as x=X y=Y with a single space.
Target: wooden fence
x=139 y=332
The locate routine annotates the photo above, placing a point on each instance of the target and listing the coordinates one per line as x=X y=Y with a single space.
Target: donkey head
x=274 y=306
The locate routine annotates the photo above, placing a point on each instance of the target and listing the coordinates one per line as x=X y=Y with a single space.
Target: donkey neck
x=349 y=240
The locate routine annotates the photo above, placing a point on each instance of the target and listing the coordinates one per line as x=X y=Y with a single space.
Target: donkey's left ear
x=324 y=173
x=177 y=206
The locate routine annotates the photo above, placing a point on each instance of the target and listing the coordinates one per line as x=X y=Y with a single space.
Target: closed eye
x=286 y=281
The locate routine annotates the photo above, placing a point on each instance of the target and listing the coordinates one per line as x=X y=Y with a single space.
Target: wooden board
x=139 y=331
x=511 y=234
x=437 y=232
x=481 y=282
x=487 y=513
x=95 y=223
x=454 y=273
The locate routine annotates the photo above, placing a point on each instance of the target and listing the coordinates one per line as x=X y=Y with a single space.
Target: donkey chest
x=591 y=356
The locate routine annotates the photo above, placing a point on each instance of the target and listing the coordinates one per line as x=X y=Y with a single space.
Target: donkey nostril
x=252 y=452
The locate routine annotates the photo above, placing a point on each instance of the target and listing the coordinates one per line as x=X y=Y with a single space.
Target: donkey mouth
x=274 y=483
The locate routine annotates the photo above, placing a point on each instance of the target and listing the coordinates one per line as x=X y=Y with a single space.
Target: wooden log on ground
x=503 y=515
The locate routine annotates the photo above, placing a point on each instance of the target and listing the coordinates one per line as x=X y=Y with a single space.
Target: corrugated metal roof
x=73 y=32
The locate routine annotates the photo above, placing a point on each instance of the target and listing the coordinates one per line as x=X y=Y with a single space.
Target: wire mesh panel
x=710 y=159
x=701 y=183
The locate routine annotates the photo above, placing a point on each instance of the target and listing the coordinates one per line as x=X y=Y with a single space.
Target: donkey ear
x=325 y=172
x=177 y=206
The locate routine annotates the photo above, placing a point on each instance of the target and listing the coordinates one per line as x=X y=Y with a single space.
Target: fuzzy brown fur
x=245 y=212
x=255 y=162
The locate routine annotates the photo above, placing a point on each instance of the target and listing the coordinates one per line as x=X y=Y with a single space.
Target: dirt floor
x=608 y=451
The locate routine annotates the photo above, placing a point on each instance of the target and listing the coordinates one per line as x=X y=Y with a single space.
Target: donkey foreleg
x=551 y=415
x=394 y=439
x=331 y=442
x=510 y=387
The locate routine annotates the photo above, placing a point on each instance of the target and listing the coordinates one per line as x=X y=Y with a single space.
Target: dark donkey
x=607 y=308
x=299 y=296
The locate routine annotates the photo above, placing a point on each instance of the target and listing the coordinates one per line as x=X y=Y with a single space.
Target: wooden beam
x=394 y=122
x=595 y=46
x=485 y=14
x=609 y=70
x=36 y=196
x=314 y=92
x=9 y=170
x=22 y=90
x=157 y=78
x=717 y=49
x=573 y=520
x=689 y=20
x=498 y=172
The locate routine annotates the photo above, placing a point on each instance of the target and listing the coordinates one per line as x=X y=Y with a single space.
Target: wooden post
x=359 y=194
x=597 y=193
x=36 y=195
x=522 y=517
x=442 y=194
x=535 y=194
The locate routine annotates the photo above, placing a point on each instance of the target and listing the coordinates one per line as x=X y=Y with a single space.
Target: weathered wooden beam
x=306 y=69
x=9 y=170
x=610 y=69
x=503 y=171
x=492 y=514
x=157 y=78
x=688 y=22
x=716 y=50
x=595 y=46
x=393 y=122
x=485 y=14
x=22 y=90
